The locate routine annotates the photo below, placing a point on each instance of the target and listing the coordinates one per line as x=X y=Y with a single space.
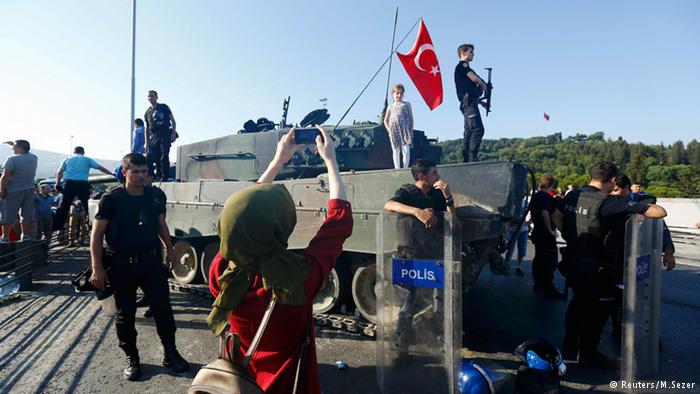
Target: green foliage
x=672 y=171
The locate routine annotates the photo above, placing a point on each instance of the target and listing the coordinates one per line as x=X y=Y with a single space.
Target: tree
x=676 y=154
x=669 y=172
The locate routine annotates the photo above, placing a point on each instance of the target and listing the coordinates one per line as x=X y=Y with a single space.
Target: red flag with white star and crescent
x=421 y=64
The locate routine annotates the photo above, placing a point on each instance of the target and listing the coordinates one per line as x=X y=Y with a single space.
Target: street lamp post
x=133 y=70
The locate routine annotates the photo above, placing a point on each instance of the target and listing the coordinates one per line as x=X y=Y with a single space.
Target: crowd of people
x=41 y=210
x=592 y=221
x=254 y=272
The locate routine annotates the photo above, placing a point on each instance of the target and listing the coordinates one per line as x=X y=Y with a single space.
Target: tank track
x=340 y=322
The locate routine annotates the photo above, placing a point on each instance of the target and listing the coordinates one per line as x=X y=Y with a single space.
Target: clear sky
x=628 y=68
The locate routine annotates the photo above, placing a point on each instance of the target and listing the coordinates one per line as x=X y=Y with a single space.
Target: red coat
x=274 y=363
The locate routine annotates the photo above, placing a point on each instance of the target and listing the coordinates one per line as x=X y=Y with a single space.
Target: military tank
x=487 y=197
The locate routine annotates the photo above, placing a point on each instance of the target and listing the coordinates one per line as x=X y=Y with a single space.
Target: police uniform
x=468 y=94
x=133 y=256
x=593 y=269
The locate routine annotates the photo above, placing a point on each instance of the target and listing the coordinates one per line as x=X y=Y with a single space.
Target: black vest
x=134 y=228
x=582 y=227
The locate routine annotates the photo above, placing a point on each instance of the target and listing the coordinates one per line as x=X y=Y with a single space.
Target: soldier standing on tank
x=159 y=135
x=469 y=88
x=589 y=218
x=131 y=219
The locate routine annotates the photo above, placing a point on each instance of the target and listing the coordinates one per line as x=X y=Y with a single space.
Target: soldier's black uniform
x=468 y=94
x=590 y=218
x=134 y=258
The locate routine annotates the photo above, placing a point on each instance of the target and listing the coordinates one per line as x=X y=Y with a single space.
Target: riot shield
x=641 y=298
x=419 y=304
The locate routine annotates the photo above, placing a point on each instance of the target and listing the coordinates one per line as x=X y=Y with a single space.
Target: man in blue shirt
x=138 y=145
x=75 y=171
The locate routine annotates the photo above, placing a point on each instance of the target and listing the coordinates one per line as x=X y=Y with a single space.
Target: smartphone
x=306 y=135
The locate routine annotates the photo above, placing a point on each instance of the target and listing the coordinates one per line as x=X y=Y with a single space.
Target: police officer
x=131 y=219
x=588 y=218
x=469 y=88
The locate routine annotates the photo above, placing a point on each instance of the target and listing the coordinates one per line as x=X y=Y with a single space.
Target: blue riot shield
x=418 y=304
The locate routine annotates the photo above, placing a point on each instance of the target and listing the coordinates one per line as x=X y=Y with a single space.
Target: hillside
x=50 y=161
x=665 y=171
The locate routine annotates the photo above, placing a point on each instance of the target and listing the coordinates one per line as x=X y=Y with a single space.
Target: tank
x=487 y=197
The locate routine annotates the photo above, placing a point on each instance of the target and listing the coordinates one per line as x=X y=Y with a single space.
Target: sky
x=627 y=68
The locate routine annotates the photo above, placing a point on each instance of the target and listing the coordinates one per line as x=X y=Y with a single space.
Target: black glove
x=58 y=188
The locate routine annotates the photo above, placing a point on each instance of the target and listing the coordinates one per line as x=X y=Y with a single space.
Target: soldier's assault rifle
x=487 y=94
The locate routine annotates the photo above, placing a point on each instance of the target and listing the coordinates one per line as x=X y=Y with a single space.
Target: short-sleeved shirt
x=614 y=213
x=22 y=167
x=465 y=85
x=414 y=239
x=412 y=195
x=42 y=205
x=541 y=202
x=133 y=220
x=158 y=119
x=77 y=167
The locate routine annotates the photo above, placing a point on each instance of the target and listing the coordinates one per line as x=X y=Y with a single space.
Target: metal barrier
x=20 y=258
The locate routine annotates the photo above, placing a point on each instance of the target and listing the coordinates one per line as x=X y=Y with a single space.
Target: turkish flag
x=422 y=66
x=546 y=117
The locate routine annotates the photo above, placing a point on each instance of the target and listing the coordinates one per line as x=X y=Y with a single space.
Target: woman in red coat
x=253 y=264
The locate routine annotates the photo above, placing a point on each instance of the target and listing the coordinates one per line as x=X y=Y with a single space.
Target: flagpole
x=388 y=78
x=375 y=75
x=133 y=70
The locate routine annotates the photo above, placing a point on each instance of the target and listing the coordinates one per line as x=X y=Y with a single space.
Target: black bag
x=81 y=280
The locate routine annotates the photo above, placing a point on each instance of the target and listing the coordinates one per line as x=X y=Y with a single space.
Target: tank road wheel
x=363 y=293
x=185 y=262
x=207 y=257
x=335 y=291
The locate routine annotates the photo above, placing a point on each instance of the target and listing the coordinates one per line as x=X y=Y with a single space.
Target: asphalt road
x=53 y=340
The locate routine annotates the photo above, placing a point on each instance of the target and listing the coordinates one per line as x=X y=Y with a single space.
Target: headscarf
x=257 y=222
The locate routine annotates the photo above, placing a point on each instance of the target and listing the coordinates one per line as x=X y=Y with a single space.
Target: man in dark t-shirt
x=420 y=200
x=131 y=219
x=469 y=88
x=544 y=237
x=159 y=134
x=419 y=235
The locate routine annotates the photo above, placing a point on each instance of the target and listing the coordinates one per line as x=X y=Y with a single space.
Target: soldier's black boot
x=570 y=347
x=133 y=367
x=174 y=360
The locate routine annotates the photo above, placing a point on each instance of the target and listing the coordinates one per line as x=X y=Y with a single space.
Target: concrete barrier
x=682 y=212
